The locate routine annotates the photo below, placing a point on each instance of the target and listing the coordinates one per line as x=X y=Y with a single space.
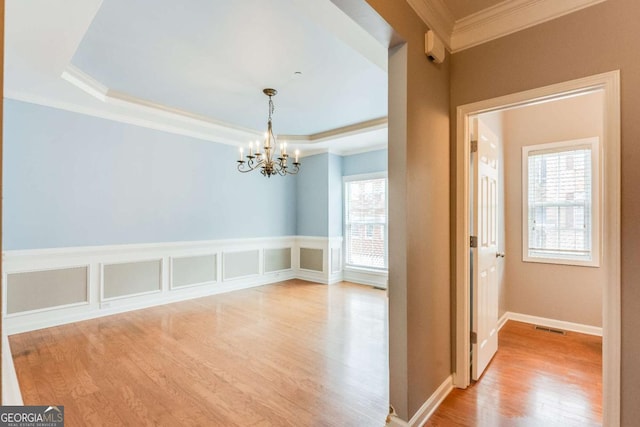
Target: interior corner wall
x=419 y=224
x=335 y=200
x=594 y=40
x=76 y=180
x=364 y=163
x=312 y=195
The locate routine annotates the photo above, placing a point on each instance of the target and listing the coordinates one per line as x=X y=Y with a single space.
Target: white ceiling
x=200 y=70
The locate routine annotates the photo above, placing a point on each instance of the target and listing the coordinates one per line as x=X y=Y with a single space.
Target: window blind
x=560 y=203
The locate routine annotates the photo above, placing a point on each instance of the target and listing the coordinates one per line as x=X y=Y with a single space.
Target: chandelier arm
x=268 y=162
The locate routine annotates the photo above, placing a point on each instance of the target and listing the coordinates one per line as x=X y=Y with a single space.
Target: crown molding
x=153 y=115
x=131 y=110
x=504 y=18
x=509 y=17
x=437 y=16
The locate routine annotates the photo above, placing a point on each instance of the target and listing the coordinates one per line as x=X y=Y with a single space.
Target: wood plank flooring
x=290 y=354
x=536 y=379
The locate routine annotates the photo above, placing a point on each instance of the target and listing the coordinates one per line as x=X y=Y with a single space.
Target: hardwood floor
x=536 y=379
x=290 y=354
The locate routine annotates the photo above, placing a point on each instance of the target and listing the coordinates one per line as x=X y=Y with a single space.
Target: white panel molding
x=45 y=309
x=553 y=323
x=426 y=410
x=260 y=266
x=11 y=395
x=509 y=17
x=96 y=256
x=172 y=287
x=106 y=302
x=326 y=276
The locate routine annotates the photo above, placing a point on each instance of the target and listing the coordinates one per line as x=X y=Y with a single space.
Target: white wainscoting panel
x=96 y=258
x=181 y=270
x=194 y=270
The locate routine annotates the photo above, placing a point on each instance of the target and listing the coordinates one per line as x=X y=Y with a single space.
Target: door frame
x=611 y=306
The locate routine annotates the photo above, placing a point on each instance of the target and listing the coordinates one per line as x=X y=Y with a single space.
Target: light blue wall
x=373 y=161
x=76 y=180
x=312 y=196
x=335 y=195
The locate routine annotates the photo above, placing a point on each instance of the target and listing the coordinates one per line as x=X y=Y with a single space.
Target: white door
x=484 y=277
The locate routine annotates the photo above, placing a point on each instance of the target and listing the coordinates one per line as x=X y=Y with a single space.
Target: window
x=561 y=203
x=366 y=221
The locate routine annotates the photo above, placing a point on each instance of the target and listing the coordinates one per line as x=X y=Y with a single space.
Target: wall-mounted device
x=434 y=47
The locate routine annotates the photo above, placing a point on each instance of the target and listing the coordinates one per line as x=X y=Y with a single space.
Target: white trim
x=244 y=276
x=503 y=320
x=596 y=202
x=366 y=276
x=552 y=323
x=5 y=280
x=428 y=408
x=610 y=84
x=103 y=299
x=509 y=17
x=85 y=82
x=11 y=395
x=209 y=282
x=365 y=176
x=497 y=21
x=95 y=256
x=153 y=115
x=437 y=16
x=395 y=421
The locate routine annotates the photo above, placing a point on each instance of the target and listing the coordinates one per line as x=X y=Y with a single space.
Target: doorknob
x=499 y=254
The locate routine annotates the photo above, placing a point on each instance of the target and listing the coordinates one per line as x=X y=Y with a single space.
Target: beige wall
x=548 y=290
x=419 y=279
x=597 y=39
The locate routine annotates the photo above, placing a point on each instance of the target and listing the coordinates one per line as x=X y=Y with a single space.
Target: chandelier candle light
x=265 y=161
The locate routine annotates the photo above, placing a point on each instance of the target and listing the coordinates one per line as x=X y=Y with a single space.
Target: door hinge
x=473 y=241
x=474 y=338
x=474 y=145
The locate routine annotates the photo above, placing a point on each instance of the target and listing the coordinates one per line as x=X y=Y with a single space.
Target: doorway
x=608 y=83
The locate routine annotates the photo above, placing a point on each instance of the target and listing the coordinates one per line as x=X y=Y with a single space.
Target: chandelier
x=266 y=159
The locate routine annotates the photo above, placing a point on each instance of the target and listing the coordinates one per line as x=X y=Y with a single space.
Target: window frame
x=364 y=177
x=596 y=202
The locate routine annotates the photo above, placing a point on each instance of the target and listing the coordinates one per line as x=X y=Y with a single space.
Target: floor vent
x=552 y=330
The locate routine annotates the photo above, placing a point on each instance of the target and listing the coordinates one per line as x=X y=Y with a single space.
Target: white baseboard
x=395 y=421
x=11 y=395
x=427 y=409
x=503 y=319
x=552 y=323
x=373 y=278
